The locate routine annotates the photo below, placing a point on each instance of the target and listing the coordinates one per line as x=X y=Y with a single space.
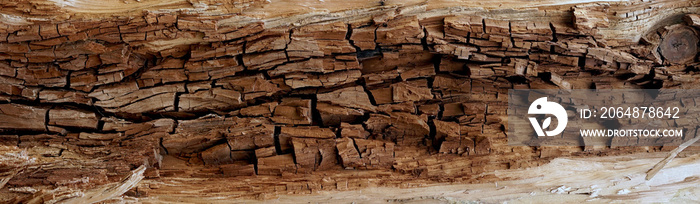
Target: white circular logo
x=543 y=107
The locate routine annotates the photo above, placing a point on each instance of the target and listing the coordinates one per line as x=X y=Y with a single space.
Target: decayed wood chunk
x=588 y=17
x=217 y=50
x=168 y=71
x=381 y=77
x=327 y=80
x=457 y=145
x=266 y=60
x=606 y=59
x=251 y=136
x=316 y=65
x=390 y=60
x=238 y=169
x=159 y=126
x=353 y=131
x=54 y=96
x=459 y=27
x=265 y=152
x=302 y=49
x=99 y=136
x=47 y=75
x=352 y=97
x=128 y=98
x=219 y=154
x=276 y=165
x=268 y=40
x=524 y=67
x=429 y=109
x=329 y=31
x=213 y=99
x=525 y=33
x=73 y=118
x=454 y=139
x=463 y=52
x=330 y=38
x=251 y=86
x=314 y=154
x=196 y=135
x=115 y=54
x=82 y=80
x=287 y=133
x=403 y=92
x=400 y=31
x=404 y=128
x=452 y=87
x=262 y=110
x=482 y=145
x=413 y=72
x=349 y=156
x=293 y=111
x=559 y=81
x=407 y=107
x=382 y=95
x=445 y=129
x=375 y=154
x=474 y=112
x=363 y=37
x=212 y=69
x=334 y=115
x=21 y=117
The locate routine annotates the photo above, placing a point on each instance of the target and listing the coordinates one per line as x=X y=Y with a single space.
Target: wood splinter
x=654 y=170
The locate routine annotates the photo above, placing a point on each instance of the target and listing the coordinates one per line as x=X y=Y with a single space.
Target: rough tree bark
x=255 y=98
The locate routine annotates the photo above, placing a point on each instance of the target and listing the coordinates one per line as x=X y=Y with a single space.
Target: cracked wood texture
x=250 y=99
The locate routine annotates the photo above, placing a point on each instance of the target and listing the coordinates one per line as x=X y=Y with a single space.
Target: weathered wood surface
x=598 y=180
x=414 y=91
